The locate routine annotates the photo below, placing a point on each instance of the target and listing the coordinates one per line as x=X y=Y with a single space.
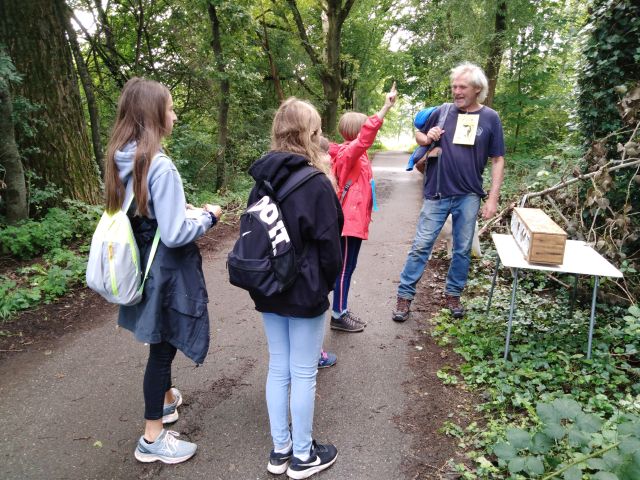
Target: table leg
x=493 y=283
x=574 y=293
x=511 y=309
x=596 y=282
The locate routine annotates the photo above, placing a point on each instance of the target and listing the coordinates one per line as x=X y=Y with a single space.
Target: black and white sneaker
x=278 y=462
x=322 y=457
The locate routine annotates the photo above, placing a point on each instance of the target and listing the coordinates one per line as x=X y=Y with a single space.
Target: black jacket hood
x=275 y=167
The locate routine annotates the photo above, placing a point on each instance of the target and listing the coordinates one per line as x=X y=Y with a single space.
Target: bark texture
x=496 y=50
x=223 y=96
x=40 y=52
x=14 y=191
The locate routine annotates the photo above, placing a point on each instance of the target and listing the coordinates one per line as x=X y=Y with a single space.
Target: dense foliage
x=547 y=410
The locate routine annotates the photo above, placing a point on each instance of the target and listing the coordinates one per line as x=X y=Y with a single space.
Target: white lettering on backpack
x=268 y=213
x=278 y=234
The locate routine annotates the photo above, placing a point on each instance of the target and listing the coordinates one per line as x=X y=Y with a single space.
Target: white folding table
x=579 y=259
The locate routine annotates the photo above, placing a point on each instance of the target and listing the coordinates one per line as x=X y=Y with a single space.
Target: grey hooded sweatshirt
x=166 y=198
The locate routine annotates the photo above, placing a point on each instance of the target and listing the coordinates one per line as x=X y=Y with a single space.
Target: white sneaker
x=167 y=449
x=170 y=410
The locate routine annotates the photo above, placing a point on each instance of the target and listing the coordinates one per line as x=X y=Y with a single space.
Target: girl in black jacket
x=294 y=320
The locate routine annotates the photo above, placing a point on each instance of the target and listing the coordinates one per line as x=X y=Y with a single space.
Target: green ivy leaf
x=588 y=423
x=578 y=437
x=567 y=407
x=516 y=465
x=547 y=413
x=597 y=464
x=629 y=445
x=613 y=459
x=573 y=473
x=555 y=431
x=505 y=451
x=605 y=476
x=518 y=438
x=534 y=465
x=541 y=443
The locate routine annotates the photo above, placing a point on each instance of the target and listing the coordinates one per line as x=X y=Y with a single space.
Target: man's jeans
x=434 y=213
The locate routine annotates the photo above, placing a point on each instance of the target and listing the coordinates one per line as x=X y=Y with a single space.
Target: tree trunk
x=329 y=67
x=331 y=76
x=16 y=189
x=275 y=75
x=223 y=96
x=87 y=86
x=34 y=33
x=496 y=50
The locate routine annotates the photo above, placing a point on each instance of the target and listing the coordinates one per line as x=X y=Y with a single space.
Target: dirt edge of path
x=433 y=406
x=41 y=328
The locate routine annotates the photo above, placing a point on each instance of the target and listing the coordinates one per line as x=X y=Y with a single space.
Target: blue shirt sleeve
x=496 y=145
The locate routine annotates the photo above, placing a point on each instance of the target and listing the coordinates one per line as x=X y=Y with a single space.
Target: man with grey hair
x=468 y=134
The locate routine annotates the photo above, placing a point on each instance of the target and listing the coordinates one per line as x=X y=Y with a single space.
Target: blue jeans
x=434 y=213
x=294 y=348
x=350 y=247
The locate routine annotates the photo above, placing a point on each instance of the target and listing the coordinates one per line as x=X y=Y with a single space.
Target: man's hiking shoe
x=170 y=410
x=278 y=462
x=454 y=306
x=346 y=323
x=327 y=359
x=401 y=312
x=322 y=457
x=167 y=449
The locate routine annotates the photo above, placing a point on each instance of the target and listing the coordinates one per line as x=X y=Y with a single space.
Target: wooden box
x=540 y=238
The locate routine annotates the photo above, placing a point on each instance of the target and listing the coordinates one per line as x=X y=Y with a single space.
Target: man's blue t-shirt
x=462 y=165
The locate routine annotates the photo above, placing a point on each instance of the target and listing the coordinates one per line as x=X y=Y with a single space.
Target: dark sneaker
x=322 y=457
x=346 y=324
x=170 y=410
x=167 y=449
x=401 y=312
x=278 y=462
x=356 y=319
x=454 y=306
x=327 y=359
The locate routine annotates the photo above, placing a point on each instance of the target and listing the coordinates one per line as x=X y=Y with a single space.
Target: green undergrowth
x=547 y=412
x=51 y=253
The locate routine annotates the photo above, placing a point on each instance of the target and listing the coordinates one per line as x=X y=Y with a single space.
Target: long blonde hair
x=141 y=117
x=297 y=128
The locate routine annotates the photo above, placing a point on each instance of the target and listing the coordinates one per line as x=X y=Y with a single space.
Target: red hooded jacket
x=349 y=161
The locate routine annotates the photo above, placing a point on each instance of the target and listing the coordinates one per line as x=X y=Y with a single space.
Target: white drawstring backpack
x=113 y=269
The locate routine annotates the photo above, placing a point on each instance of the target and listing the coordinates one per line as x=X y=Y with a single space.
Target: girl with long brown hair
x=173 y=312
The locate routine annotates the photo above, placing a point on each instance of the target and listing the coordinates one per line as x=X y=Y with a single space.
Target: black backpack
x=263 y=259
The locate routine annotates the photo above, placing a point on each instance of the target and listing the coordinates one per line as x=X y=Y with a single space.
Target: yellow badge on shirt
x=466 y=129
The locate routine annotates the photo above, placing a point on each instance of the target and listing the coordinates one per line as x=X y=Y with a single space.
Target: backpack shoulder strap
x=444 y=111
x=296 y=180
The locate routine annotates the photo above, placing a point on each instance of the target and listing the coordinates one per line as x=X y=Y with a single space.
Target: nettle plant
x=569 y=443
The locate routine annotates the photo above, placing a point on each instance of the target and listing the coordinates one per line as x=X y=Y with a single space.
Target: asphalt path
x=75 y=411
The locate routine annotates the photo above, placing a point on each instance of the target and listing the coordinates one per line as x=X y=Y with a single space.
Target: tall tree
x=223 y=96
x=496 y=50
x=60 y=153
x=87 y=85
x=327 y=64
x=14 y=180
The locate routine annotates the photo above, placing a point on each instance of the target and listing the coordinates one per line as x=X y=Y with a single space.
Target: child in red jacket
x=351 y=168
